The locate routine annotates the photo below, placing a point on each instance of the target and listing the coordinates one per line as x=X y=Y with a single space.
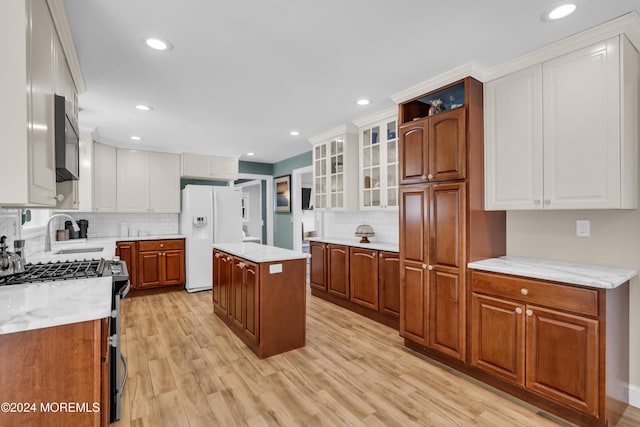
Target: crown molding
x=628 y=25
x=61 y=22
x=470 y=69
x=378 y=116
x=340 y=130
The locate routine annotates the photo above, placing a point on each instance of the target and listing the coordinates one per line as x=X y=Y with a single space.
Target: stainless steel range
x=86 y=269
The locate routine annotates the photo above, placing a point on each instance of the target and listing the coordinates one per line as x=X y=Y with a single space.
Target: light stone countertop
x=41 y=305
x=30 y=306
x=259 y=253
x=355 y=242
x=593 y=276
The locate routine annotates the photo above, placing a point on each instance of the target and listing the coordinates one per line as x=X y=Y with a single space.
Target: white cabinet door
x=320 y=176
x=165 y=182
x=582 y=128
x=224 y=168
x=40 y=85
x=567 y=139
x=195 y=166
x=513 y=141
x=104 y=178
x=133 y=181
x=336 y=173
x=378 y=183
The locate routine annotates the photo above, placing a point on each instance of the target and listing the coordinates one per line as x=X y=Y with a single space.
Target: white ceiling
x=244 y=73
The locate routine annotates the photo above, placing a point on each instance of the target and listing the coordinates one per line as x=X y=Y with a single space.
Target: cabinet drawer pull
x=423 y=177
x=424 y=266
x=547 y=202
x=430 y=267
x=518 y=310
x=536 y=202
x=162 y=245
x=430 y=176
x=529 y=313
x=524 y=291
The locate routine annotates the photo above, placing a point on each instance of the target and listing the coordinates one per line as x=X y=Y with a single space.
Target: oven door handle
x=125 y=376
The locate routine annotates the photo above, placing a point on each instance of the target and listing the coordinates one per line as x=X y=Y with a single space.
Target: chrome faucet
x=47 y=236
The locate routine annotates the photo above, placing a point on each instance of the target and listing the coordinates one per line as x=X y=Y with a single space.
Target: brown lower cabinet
x=153 y=263
x=264 y=304
x=60 y=364
x=563 y=346
x=366 y=281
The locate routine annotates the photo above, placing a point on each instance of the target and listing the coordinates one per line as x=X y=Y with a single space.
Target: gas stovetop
x=61 y=270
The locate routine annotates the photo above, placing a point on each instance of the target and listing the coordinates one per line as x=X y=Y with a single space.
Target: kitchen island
x=259 y=291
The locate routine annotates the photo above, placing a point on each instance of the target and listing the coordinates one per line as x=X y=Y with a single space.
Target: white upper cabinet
x=198 y=166
x=105 y=178
x=148 y=181
x=378 y=180
x=164 y=182
x=335 y=170
x=563 y=134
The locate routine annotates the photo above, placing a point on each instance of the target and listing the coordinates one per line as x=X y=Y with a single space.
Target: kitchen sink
x=77 y=251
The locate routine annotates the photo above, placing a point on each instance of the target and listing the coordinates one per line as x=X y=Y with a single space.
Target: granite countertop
x=259 y=253
x=593 y=276
x=41 y=305
x=355 y=241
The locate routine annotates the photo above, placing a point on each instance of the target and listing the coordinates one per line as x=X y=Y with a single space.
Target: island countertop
x=593 y=276
x=257 y=252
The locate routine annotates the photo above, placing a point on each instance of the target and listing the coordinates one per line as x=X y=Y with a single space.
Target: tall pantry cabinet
x=443 y=224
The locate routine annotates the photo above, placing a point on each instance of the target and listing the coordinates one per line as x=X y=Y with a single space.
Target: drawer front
x=160 y=245
x=530 y=291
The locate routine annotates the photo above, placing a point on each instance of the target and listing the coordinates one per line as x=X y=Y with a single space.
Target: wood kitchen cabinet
x=389 y=283
x=433 y=149
x=546 y=337
x=318 y=274
x=366 y=281
x=338 y=270
x=442 y=222
x=364 y=277
x=161 y=263
x=548 y=148
x=77 y=371
x=266 y=305
x=128 y=252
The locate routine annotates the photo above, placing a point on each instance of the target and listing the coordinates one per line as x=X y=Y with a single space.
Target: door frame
x=296 y=209
x=268 y=198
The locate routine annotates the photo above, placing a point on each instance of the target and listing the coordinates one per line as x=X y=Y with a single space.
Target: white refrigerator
x=208 y=214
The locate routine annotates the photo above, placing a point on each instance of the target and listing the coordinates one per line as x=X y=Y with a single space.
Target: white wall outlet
x=583 y=228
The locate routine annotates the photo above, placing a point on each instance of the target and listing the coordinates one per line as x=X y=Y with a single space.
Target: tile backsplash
x=112 y=224
x=344 y=224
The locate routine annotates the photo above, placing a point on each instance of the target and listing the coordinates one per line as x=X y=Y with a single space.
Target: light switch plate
x=583 y=228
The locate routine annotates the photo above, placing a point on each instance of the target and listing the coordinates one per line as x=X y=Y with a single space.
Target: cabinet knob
x=423 y=177
x=430 y=176
x=547 y=201
x=424 y=266
x=524 y=291
x=529 y=313
x=430 y=267
x=162 y=245
x=380 y=255
x=518 y=310
x=536 y=202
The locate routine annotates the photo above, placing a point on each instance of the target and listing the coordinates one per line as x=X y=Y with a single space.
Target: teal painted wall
x=255 y=168
x=282 y=226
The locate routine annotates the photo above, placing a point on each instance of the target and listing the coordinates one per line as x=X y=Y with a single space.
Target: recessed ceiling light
x=143 y=107
x=158 y=44
x=363 y=101
x=251 y=154
x=294 y=133
x=136 y=138
x=561 y=11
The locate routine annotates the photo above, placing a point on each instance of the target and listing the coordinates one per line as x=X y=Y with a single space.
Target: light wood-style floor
x=187 y=369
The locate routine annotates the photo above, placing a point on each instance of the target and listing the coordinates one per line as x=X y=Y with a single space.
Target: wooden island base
x=263 y=303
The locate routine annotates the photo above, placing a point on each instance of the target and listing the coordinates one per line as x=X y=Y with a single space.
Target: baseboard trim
x=634 y=395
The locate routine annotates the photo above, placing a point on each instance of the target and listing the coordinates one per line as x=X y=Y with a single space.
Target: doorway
x=304 y=220
x=259 y=209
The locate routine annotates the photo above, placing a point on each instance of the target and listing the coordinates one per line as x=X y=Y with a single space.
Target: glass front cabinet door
x=335 y=172
x=378 y=182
